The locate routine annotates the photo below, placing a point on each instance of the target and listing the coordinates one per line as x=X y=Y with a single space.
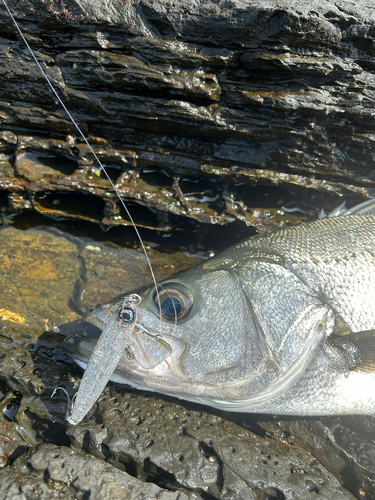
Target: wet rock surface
x=49 y=278
x=31 y=262
x=143 y=445
x=213 y=112
x=205 y=114
x=229 y=462
x=57 y=472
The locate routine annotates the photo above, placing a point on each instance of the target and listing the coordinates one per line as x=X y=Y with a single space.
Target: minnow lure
x=105 y=357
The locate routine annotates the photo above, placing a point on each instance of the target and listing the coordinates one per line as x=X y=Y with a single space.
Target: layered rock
x=214 y=111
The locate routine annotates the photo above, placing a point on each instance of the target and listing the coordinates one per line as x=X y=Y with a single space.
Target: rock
x=38 y=274
x=343 y=445
x=49 y=278
x=164 y=438
x=177 y=446
x=110 y=271
x=57 y=472
x=216 y=112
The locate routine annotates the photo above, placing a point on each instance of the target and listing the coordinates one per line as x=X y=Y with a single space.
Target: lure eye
x=126 y=315
x=173 y=301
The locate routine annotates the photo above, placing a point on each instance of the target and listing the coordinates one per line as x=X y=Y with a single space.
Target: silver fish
x=280 y=323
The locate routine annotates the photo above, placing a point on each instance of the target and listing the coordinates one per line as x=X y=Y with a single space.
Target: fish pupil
x=171 y=307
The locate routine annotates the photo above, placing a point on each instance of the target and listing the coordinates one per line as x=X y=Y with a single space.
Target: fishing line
x=87 y=143
x=83 y=405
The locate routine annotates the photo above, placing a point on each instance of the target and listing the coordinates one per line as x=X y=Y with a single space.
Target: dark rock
x=57 y=472
x=246 y=95
x=224 y=113
x=229 y=461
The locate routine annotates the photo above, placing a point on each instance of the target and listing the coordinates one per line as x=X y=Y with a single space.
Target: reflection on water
x=49 y=277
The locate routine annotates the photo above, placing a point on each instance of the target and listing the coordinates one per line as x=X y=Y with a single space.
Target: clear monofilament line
x=85 y=140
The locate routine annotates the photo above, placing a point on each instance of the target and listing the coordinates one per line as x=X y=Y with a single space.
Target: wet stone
x=32 y=262
x=57 y=472
x=112 y=270
x=257 y=463
x=207 y=115
x=335 y=442
x=261 y=102
x=48 y=278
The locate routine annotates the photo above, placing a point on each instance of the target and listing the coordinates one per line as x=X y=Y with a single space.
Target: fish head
x=230 y=333
x=193 y=338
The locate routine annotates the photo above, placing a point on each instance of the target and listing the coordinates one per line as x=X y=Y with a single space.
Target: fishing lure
x=105 y=357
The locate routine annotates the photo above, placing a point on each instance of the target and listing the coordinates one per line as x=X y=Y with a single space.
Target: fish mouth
x=151 y=360
x=146 y=353
x=165 y=378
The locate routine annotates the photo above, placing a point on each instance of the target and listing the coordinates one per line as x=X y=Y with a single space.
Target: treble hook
x=70 y=400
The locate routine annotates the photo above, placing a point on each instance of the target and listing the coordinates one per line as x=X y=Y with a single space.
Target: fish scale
x=342 y=268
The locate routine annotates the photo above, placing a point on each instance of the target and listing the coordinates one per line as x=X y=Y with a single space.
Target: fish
x=281 y=323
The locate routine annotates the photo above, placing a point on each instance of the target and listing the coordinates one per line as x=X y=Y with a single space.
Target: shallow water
x=49 y=277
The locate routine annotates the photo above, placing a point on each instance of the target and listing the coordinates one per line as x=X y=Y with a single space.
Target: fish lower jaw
x=160 y=379
x=173 y=391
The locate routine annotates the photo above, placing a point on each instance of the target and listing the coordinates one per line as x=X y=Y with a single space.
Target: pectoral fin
x=360 y=346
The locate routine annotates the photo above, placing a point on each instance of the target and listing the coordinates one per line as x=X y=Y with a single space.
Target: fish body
x=280 y=323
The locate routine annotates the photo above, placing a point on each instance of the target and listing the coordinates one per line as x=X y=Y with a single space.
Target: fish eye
x=173 y=301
